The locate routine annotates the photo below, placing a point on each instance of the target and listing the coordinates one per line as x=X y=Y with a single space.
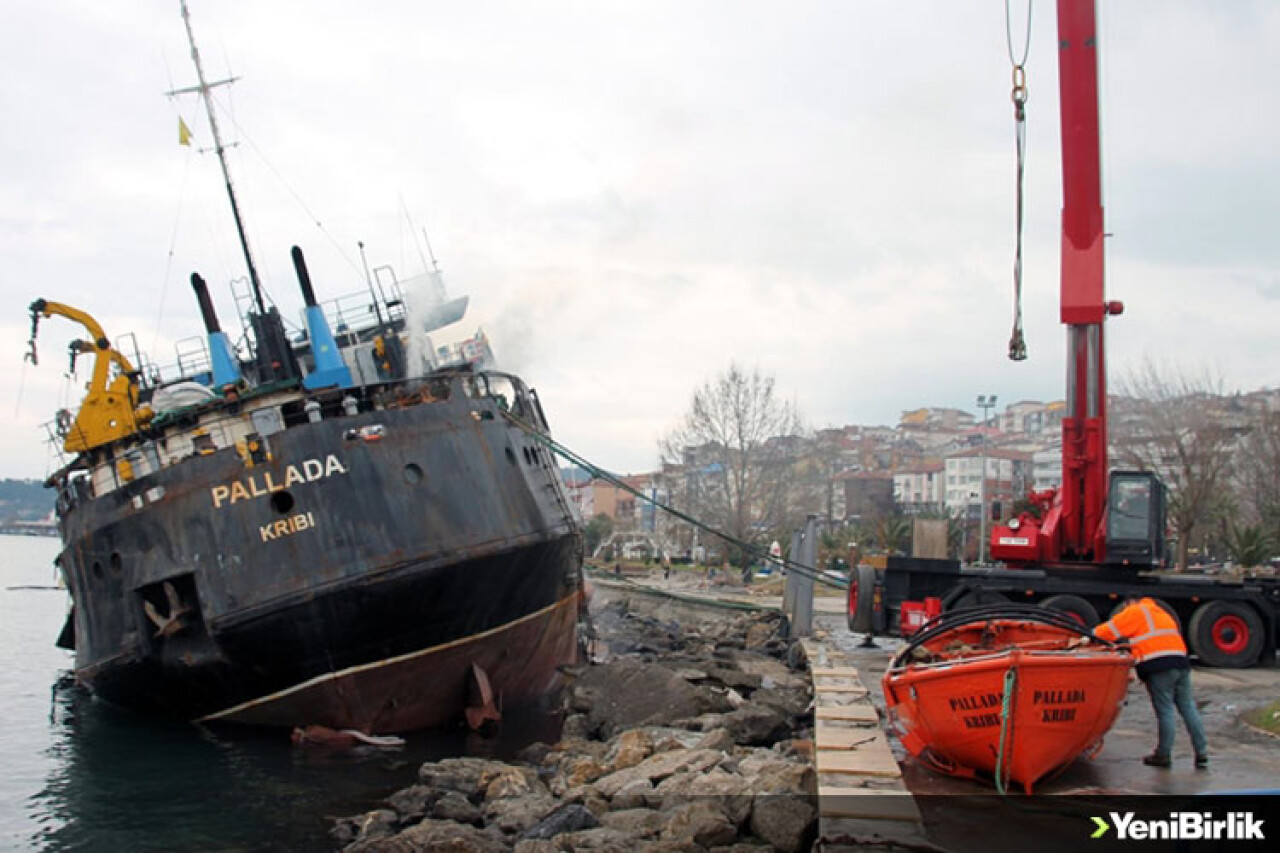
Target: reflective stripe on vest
x=1153 y=643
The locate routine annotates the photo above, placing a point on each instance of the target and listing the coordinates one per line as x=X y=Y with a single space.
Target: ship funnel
x=226 y=367
x=329 y=368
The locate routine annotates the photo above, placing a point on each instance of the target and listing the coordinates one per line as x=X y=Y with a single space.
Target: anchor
x=481 y=707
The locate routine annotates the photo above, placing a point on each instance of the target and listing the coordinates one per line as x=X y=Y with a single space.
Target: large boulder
x=573 y=817
x=627 y=694
x=467 y=776
x=436 y=835
x=700 y=821
x=658 y=767
x=787 y=822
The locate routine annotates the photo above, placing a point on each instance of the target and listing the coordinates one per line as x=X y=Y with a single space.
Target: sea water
x=77 y=774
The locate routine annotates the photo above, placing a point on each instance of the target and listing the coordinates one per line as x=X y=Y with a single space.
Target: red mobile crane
x=1097 y=538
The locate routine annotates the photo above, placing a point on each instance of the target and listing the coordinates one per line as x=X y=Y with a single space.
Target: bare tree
x=1180 y=427
x=739 y=445
x=1258 y=473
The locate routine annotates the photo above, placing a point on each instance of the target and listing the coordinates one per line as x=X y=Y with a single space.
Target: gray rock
x=637 y=794
x=568 y=818
x=733 y=677
x=635 y=823
x=601 y=839
x=627 y=694
x=455 y=807
x=467 y=776
x=511 y=782
x=578 y=727
x=537 y=845
x=766 y=773
x=435 y=835
x=756 y=725
x=724 y=789
x=516 y=815
x=719 y=739
x=658 y=767
x=414 y=803
x=700 y=821
x=790 y=702
x=369 y=826
x=787 y=823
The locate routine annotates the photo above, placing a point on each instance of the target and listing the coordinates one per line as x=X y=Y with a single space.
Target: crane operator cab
x=1135 y=519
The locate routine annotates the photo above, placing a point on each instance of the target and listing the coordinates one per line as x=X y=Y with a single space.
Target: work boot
x=1202 y=761
x=1155 y=759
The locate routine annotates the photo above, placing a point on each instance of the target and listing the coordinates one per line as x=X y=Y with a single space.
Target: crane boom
x=108 y=411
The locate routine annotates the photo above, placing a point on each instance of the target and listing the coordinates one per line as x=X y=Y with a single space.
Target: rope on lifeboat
x=1027 y=612
x=1006 y=728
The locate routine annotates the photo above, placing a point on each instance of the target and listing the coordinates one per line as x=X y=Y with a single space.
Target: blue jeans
x=1169 y=689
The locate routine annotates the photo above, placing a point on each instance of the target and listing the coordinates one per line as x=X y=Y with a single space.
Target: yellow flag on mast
x=184 y=132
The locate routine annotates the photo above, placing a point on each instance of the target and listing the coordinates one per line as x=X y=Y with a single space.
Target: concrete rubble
x=688 y=738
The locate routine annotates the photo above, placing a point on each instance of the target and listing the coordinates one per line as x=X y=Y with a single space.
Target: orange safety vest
x=1151 y=630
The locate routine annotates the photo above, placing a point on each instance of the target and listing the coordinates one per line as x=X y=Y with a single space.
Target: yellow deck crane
x=109 y=410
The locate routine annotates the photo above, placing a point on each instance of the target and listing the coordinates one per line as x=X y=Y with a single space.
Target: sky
x=635 y=195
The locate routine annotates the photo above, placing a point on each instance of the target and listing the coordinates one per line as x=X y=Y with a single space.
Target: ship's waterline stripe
x=364 y=667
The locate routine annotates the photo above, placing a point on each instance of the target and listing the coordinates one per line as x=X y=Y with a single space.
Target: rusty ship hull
x=347 y=569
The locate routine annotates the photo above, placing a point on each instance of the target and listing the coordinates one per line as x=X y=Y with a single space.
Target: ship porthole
x=281 y=502
x=412 y=474
x=115 y=564
x=97 y=570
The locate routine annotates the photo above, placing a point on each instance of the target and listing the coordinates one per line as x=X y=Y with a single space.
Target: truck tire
x=977 y=598
x=1226 y=633
x=1074 y=606
x=862 y=600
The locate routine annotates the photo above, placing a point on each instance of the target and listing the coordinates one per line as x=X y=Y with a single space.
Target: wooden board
x=835 y=672
x=879 y=762
x=851 y=713
x=846 y=737
x=842 y=688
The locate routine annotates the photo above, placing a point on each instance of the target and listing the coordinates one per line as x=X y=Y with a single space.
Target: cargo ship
x=333 y=527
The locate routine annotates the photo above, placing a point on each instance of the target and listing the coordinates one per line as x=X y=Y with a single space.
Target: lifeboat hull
x=1009 y=698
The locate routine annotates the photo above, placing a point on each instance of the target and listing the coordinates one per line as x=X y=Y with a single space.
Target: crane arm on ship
x=1073 y=524
x=109 y=410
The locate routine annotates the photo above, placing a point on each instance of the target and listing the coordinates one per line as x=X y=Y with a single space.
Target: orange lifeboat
x=1013 y=691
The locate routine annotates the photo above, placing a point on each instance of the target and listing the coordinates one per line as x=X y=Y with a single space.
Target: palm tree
x=1248 y=545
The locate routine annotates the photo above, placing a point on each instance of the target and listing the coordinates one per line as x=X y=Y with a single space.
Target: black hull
x=357 y=540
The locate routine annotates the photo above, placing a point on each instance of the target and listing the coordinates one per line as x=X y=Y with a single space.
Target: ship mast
x=203 y=89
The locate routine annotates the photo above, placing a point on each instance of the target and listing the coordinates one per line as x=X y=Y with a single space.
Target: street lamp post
x=986 y=403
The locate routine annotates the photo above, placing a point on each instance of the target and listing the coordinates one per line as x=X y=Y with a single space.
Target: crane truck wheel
x=862 y=600
x=1226 y=633
x=1074 y=606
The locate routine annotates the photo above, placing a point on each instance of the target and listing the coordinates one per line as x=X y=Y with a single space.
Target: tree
x=1177 y=426
x=739 y=445
x=596 y=531
x=1249 y=545
x=1258 y=481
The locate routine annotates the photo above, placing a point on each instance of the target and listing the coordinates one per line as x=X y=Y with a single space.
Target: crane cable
x=1017 y=342
x=753 y=550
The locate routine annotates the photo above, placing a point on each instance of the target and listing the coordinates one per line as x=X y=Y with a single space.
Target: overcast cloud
x=636 y=194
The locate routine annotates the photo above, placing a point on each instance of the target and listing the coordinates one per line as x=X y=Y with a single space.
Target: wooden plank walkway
x=863 y=804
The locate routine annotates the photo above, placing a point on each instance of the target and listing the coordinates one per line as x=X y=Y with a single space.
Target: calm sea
x=79 y=775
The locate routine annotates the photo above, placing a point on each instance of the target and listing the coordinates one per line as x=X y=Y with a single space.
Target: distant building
x=868 y=494
x=920 y=487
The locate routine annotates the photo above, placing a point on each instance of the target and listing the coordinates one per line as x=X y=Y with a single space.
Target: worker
x=1161 y=655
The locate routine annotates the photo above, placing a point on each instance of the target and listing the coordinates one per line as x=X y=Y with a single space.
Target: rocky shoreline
x=685 y=738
